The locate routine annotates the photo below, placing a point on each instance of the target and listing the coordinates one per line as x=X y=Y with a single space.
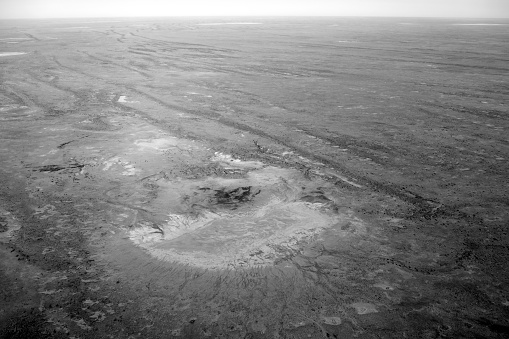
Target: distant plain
x=254 y=178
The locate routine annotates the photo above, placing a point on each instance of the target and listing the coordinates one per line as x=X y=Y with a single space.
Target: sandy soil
x=295 y=179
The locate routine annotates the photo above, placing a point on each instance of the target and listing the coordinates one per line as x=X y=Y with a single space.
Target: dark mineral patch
x=235 y=196
x=3 y=224
x=56 y=168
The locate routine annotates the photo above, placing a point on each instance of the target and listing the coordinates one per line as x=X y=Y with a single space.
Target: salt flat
x=11 y=53
x=229 y=23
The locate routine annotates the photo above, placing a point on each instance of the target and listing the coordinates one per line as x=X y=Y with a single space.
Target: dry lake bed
x=261 y=178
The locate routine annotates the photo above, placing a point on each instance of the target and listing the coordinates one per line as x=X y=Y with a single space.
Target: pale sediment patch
x=364 y=308
x=128 y=169
x=159 y=143
x=2 y=54
x=122 y=99
x=246 y=222
x=9 y=226
x=110 y=162
x=78 y=27
x=15 y=39
x=228 y=161
x=480 y=24
x=230 y=23
x=246 y=240
x=98 y=21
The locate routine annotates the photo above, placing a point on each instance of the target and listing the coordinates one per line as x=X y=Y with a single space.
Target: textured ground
x=289 y=179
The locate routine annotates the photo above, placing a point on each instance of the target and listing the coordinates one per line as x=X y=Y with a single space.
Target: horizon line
x=256 y=16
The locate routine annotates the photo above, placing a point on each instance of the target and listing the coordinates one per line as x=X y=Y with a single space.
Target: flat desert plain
x=261 y=178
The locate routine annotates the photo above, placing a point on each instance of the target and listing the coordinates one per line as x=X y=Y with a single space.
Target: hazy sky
x=112 y=8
